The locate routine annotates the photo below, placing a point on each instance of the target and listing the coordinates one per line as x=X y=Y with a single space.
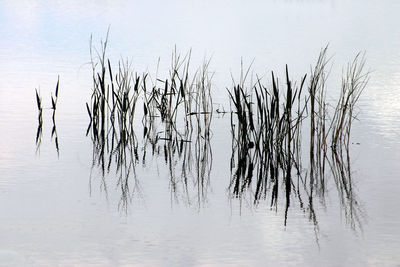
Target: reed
x=39 y=102
x=54 y=100
x=40 y=120
x=53 y=107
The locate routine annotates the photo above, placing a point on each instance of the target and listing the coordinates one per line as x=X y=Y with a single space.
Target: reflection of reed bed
x=188 y=159
x=340 y=167
x=189 y=166
x=267 y=125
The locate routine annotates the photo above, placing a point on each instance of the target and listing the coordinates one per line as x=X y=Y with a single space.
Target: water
x=56 y=209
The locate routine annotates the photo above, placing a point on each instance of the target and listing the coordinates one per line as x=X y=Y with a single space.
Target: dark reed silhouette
x=181 y=103
x=39 y=131
x=266 y=126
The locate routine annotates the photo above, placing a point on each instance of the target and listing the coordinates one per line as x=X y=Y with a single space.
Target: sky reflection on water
x=52 y=213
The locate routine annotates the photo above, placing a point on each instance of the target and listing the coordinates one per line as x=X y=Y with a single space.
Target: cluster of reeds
x=40 y=117
x=267 y=125
x=263 y=132
x=172 y=102
x=111 y=112
x=318 y=118
x=354 y=82
x=195 y=153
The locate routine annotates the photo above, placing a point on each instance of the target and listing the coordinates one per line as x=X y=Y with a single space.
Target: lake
x=69 y=197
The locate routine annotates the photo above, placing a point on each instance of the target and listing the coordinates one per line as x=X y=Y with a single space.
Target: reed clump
x=263 y=136
x=181 y=103
x=353 y=84
x=267 y=124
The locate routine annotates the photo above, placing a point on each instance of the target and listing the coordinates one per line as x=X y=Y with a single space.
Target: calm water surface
x=58 y=210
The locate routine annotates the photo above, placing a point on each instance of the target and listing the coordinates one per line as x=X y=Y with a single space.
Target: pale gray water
x=53 y=213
